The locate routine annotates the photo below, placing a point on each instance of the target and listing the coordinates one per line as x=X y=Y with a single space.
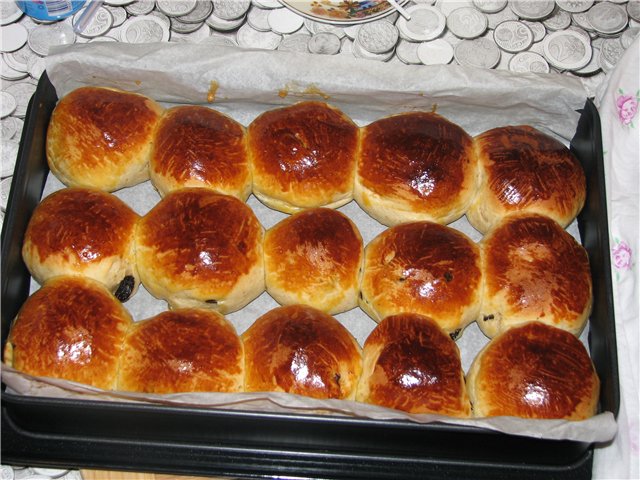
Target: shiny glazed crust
x=415 y=166
x=534 y=371
x=299 y=349
x=101 y=137
x=424 y=268
x=196 y=146
x=71 y=328
x=200 y=249
x=81 y=231
x=303 y=156
x=534 y=270
x=314 y=257
x=523 y=169
x=410 y=364
x=184 y=350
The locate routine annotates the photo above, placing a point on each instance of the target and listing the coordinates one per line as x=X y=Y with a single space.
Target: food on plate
x=87 y=232
x=101 y=137
x=411 y=364
x=314 y=257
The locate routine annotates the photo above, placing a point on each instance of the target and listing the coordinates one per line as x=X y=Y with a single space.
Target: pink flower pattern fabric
x=627 y=106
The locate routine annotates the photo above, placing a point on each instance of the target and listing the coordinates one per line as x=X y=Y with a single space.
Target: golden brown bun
x=197 y=146
x=533 y=270
x=200 y=249
x=424 y=268
x=185 y=350
x=534 y=371
x=415 y=166
x=101 y=137
x=71 y=328
x=314 y=257
x=410 y=364
x=81 y=231
x=523 y=169
x=299 y=349
x=303 y=156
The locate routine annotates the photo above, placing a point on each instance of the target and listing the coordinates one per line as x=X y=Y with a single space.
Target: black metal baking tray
x=144 y=437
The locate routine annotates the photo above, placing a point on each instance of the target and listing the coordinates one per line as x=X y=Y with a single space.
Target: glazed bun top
x=534 y=270
x=196 y=146
x=524 y=169
x=534 y=371
x=412 y=365
x=184 y=350
x=303 y=156
x=101 y=137
x=71 y=328
x=299 y=349
x=415 y=166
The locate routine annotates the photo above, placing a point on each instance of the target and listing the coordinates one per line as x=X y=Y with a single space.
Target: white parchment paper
x=243 y=83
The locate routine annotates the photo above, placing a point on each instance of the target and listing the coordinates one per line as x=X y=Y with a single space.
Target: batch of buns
x=202 y=249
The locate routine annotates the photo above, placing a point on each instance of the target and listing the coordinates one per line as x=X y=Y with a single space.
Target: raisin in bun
x=196 y=146
x=410 y=364
x=71 y=328
x=101 y=137
x=82 y=231
x=184 y=350
x=424 y=268
x=314 y=257
x=533 y=270
x=299 y=349
x=534 y=371
x=303 y=156
x=415 y=166
x=200 y=249
x=525 y=170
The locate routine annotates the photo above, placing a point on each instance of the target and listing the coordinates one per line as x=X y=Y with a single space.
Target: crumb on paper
x=295 y=89
x=213 y=89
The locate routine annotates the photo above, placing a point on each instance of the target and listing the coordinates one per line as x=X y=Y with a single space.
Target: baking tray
x=144 y=437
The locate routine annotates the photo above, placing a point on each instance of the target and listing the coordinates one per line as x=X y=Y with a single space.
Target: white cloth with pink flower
x=617 y=101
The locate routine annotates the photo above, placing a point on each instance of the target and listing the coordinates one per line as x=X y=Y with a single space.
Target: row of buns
x=199 y=249
x=73 y=328
x=411 y=166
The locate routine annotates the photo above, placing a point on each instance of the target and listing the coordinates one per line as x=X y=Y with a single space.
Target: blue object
x=50 y=10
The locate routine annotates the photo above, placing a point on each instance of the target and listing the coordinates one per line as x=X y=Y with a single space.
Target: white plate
x=340 y=11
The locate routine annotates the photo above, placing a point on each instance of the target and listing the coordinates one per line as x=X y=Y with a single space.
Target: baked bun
x=533 y=270
x=314 y=257
x=200 y=249
x=299 y=349
x=196 y=146
x=71 y=328
x=101 y=137
x=410 y=364
x=415 y=166
x=424 y=268
x=525 y=170
x=185 y=350
x=82 y=231
x=534 y=371
x=303 y=156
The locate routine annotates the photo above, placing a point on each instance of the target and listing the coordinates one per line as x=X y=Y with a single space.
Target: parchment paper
x=243 y=83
